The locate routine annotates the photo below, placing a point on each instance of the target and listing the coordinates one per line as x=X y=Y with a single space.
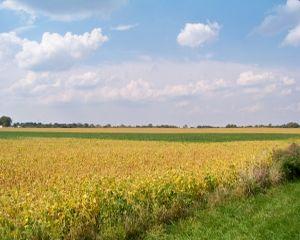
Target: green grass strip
x=170 y=137
x=275 y=215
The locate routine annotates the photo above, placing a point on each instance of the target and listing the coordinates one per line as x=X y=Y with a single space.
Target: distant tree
x=5 y=121
x=204 y=126
x=231 y=126
x=292 y=125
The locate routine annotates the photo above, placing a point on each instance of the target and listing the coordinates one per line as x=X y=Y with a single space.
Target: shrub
x=255 y=179
x=289 y=160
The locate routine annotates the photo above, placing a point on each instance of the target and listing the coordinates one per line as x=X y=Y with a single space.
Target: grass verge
x=274 y=215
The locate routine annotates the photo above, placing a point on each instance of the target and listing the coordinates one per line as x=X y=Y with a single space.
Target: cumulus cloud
x=197 y=34
x=54 y=51
x=10 y=44
x=281 y=19
x=64 y=10
x=33 y=83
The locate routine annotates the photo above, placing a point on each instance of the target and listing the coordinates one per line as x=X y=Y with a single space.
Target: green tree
x=231 y=126
x=5 y=121
x=292 y=125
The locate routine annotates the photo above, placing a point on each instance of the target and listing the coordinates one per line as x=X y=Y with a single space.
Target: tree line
x=6 y=121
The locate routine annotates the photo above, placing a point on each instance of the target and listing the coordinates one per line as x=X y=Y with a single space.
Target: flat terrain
x=157 y=130
x=275 y=215
x=169 y=135
x=102 y=184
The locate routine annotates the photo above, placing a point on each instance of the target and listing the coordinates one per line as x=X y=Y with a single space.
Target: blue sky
x=134 y=62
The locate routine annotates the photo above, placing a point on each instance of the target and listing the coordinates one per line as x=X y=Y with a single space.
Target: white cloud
x=15 y=5
x=283 y=18
x=293 y=37
x=250 y=78
x=85 y=80
x=53 y=52
x=262 y=83
x=65 y=10
x=288 y=81
x=125 y=27
x=23 y=28
x=135 y=90
x=260 y=91
x=151 y=81
x=182 y=90
x=56 y=52
x=197 y=34
x=10 y=44
x=200 y=87
x=21 y=8
x=35 y=83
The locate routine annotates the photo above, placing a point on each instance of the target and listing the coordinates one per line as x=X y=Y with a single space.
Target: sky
x=177 y=62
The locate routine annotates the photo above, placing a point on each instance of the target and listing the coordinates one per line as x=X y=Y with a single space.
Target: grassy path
x=275 y=215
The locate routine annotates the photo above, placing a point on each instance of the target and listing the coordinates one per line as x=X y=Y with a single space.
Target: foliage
x=290 y=161
x=150 y=125
x=5 y=121
x=291 y=125
x=231 y=126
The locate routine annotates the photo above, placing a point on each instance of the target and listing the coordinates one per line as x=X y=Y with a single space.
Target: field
x=169 y=135
x=101 y=184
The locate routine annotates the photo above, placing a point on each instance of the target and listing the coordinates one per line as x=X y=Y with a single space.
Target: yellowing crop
x=78 y=188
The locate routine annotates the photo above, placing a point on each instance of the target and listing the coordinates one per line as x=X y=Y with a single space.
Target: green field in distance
x=170 y=137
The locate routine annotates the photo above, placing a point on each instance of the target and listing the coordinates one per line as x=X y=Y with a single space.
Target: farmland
x=101 y=184
x=169 y=135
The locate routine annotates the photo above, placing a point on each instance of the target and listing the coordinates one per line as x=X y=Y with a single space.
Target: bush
x=255 y=179
x=289 y=160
